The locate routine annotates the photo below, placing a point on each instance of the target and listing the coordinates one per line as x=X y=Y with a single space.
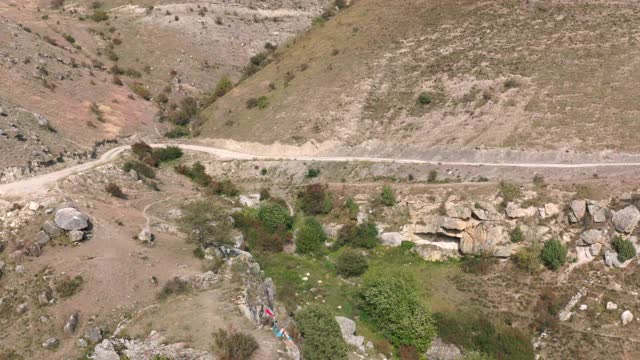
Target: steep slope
x=496 y=74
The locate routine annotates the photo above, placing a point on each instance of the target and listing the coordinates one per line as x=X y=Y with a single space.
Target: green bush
x=352 y=208
x=175 y=286
x=516 y=234
x=315 y=200
x=312 y=173
x=68 y=287
x=140 y=168
x=224 y=86
x=274 y=216
x=433 y=176
x=168 y=153
x=478 y=333
x=553 y=254
x=321 y=333
x=363 y=235
x=424 y=99
x=206 y=223
x=527 y=259
x=509 y=192
x=225 y=187
x=311 y=237
x=391 y=303
x=100 y=15
x=624 y=248
x=474 y=355
x=196 y=173
x=388 y=197
x=177 y=132
x=351 y=263
x=234 y=345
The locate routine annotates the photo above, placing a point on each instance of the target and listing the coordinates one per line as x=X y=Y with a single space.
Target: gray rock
x=439 y=350
x=595 y=249
x=598 y=213
x=348 y=329
x=133 y=174
x=22 y=308
x=82 y=343
x=591 y=237
x=611 y=259
x=51 y=343
x=626 y=317
x=71 y=324
x=454 y=224
x=457 y=211
x=2 y=266
x=19 y=269
x=578 y=209
x=43 y=298
x=145 y=235
x=42 y=121
x=71 y=219
x=51 y=228
x=626 y=219
x=93 y=334
x=392 y=239
x=612 y=305
x=3 y=112
x=42 y=238
x=76 y=236
x=485 y=212
x=514 y=211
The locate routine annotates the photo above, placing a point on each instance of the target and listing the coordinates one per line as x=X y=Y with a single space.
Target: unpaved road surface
x=41 y=183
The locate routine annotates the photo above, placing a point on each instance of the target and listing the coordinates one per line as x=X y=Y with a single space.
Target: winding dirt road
x=42 y=182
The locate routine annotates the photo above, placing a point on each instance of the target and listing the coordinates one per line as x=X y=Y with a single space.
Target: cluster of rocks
x=92 y=334
x=155 y=344
x=68 y=219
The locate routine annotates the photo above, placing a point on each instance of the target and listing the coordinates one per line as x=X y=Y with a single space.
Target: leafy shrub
x=424 y=99
x=99 y=16
x=516 y=234
x=141 y=149
x=509 y=192
x=363 y=235
x=527 y=259
x=68 y=287
x=311 y=237
x=352 y=208
x=224 y=86
x=624 y=248
x=175 y=286
x=274 y=216
x=387 y=196
x=234 y=345
x=114 y=190
x=140 y=168
x=546 y=310
x=140 y=90
x=351 y=263
x=312 y=173
x=391 y=303
x=315 y=200
x=225 y=187
x=205 y=223
x=433 y=176
x=478 y=333
x=475 y=355
x=168 y=153
x=196 y=173
x=553 y=254
x=177 y=132
x=264 y=194
x=322 y=336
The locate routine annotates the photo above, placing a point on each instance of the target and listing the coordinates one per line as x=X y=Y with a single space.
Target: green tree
x=364 y=235
x=311 y=237
x=624 y=248
x=390 y=302
x=553 y=254
x=321 y=333
x=274 y=216
x=388 y=197
x=351 y=263
x=206 y=223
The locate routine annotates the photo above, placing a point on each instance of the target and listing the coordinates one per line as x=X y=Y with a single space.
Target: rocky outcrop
x=457 y=211
x=626 y=219
x=155 y=345
x=598 y=213
x=590 y=237
x=515 y=212
x=93 y=334
x=432 y=252
x=392 y=239
x=439 y=350
x=485 y=212
x=348 y=330
x=577 y=210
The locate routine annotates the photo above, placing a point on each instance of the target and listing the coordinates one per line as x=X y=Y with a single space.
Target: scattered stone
x=392 y=239
x=133 y=174
x=514 y=211
x=145 y=235
x=44 y=319
x=93 y=334
x=457 y=211
x=591 y=237
x=43 y=298
x=583 y=307
x=51 y=228
x=595 y=249
x=34 y=206
x=485 y=212
x=19 y=269
x=71 y=219
x=549 y=210
x=42 y=238
x=82 y=343
x=348 y=329
x=611 y=306
x=626 y=317
x=611 y=259
x=439 y=350
x=578 y=209
x=454 y=224
x=71 y=324
x=76 y=236
x=598 y=213
x=251 y=200
x=22 y=308
x=626 y=219
x=50 y=343
x=3 y=112
x=42 y=121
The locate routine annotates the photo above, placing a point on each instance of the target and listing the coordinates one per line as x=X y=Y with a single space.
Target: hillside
x=496 y=74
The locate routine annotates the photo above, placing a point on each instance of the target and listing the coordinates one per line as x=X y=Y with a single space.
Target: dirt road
x=42 y=182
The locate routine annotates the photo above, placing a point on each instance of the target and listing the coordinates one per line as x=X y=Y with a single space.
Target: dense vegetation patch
x=553 y=254
x=314 y=199
x=310 y=237
x=206 y=223
x=351 y=263
x=322 y=336
x=233 y=345
x=625 y=248
x=363 y=235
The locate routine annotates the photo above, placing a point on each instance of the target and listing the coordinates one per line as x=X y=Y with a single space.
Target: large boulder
x=485 y=212
x=450 y=223
x=348 y=329
x=611 y=259
x=549 y=210
x=457 y=211
x=514 y=211
x=392 y=239
x=626 y=317
x=626 y=219
x=590 y=237
x=439 y=350
x=482 y=239
x=42 y=238
x=578 y=209
x=597 y=212
x=51 y=228
x=93 y=334
x=71 y=219
x=431 y=252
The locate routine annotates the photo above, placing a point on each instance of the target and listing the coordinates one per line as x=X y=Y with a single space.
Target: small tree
x=388 y=197
x=363 y=235
x=516 y=234
x=274 y=216
x=321 y=333
x=625 y=248
x=527 y=259
x=206 y=223
x=311 y=237
x=351 y=263
x=352 y=208
x=554 y=254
